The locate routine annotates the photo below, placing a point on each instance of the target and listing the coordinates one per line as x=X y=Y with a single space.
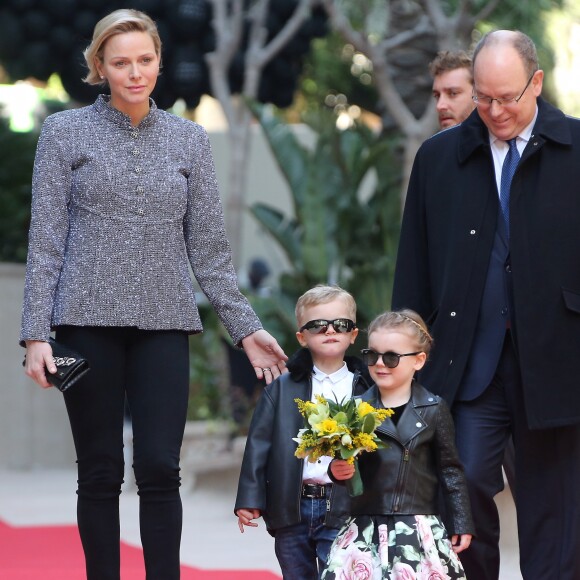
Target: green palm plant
x=16 y=164
x=339 y=233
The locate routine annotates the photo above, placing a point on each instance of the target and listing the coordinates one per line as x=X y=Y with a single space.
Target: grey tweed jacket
x=119 y=213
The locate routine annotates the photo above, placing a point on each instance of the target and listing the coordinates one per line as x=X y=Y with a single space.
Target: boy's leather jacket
x=403 y=478
x=271 y=476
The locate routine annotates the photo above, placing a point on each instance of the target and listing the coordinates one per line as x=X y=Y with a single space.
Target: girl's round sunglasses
x=320 y=326
x=390 y=359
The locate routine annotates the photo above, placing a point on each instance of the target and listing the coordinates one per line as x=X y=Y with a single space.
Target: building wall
x=33 y=423
x=265 y=185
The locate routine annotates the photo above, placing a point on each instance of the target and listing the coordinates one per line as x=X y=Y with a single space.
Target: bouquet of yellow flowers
x=339 y=430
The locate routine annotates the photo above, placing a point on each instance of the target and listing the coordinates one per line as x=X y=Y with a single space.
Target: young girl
x=394 y=530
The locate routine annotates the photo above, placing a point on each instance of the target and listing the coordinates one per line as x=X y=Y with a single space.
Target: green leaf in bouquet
x=346 y=453
x=368 y=423
x=350 y=410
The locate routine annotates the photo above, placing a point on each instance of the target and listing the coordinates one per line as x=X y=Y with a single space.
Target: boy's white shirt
x=336 y=386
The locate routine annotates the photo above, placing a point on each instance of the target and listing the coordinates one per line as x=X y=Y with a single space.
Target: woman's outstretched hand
x=265 y=355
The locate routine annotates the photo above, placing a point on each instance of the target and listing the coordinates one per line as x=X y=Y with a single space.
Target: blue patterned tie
x=507 y=172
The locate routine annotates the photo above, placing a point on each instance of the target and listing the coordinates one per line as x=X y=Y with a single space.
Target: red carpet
x=55 y=553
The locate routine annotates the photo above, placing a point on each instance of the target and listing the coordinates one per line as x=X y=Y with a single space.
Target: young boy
x=297 y=500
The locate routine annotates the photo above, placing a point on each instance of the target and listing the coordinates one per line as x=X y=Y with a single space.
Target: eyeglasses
x=320 y=326
x=390 y=359
x=485 y=102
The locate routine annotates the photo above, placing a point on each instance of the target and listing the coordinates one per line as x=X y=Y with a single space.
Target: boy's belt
x=315 y=490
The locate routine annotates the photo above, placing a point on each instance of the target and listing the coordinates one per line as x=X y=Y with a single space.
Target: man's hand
x=265 y=355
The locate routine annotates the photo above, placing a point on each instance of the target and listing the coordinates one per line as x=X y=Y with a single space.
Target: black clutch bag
x=70 y=366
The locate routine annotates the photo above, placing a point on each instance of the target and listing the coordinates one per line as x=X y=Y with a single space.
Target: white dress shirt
x=499 y=148
x=336 y=386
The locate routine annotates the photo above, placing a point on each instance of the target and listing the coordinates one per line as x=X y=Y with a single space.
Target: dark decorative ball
x=41 y=37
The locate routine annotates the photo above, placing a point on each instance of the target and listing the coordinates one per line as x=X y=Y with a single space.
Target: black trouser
x=150 y=369
x=547 y=493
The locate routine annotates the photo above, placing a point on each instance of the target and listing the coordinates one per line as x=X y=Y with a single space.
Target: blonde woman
x=125 y=201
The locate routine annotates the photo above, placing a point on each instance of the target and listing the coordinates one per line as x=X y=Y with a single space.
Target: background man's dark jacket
x=447 y=234
x=271 y=476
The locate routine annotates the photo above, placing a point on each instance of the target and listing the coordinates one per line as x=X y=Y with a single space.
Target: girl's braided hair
x=408 y=321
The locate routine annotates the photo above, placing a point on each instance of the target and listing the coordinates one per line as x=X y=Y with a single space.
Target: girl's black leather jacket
x=421 y=452
x=271 y=476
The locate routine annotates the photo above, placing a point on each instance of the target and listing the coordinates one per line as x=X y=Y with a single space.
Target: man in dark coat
x=452 y=73
x=500 y=289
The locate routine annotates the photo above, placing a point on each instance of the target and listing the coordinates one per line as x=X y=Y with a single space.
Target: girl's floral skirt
x=397 y=548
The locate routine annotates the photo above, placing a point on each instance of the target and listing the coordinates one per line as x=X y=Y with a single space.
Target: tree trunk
x=228 y=24
x=240 y=143
x=412 y=144
x=413 y=33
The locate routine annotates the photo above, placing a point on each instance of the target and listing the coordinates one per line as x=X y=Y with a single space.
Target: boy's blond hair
x=322 y=294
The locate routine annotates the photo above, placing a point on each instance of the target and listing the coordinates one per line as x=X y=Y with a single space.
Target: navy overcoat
x=447 y=235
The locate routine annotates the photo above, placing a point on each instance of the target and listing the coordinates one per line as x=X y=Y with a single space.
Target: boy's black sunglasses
x=321 y=326
x=390 y=359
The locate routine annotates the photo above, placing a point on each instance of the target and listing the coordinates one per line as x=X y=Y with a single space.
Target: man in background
x=452 y=87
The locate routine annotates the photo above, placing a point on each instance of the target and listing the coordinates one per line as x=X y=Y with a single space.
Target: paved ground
x=211 y=539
